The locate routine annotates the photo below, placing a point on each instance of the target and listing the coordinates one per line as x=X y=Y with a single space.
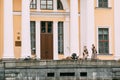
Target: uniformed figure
x=94 y=52
x=85 y=53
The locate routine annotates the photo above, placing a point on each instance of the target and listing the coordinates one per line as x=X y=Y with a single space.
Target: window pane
x=49 y=2
x=33 y=37
x=49 y=29
x=100 y=0
x=103 y=3
x=100 y=31
x=105 y=0
x=43 y=1
x=103 y=40
x=33 y=4
x=49 y=7
x=43 y=6
x=105 y=31
x=105 y=37
x=59 y=5
x=60 y=38
x=100 y=37
x=43 y=30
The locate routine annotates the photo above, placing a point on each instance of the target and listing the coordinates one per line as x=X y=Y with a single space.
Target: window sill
x=103 y=7
x=33 y=8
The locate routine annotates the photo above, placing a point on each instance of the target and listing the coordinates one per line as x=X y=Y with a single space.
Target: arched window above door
x=59 y=5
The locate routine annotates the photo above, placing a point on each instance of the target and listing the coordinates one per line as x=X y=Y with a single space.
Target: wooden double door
x=46 y=40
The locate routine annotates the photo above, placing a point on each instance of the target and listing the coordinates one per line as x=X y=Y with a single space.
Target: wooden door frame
x=48 y=35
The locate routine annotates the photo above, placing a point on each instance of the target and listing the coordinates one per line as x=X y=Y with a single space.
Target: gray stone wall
x=59 y=70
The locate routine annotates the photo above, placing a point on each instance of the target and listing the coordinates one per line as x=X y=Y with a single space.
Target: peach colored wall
x=17 y=5
x=17 y=35
x=1 y=28
x=105 y=17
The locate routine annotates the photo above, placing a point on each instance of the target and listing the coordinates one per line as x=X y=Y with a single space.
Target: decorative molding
x=50 y=14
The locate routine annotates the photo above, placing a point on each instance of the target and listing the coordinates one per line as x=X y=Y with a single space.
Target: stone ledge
x=58 y=63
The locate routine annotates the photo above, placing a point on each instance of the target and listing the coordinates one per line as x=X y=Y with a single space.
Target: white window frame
x=109 y=3
x=110 y=39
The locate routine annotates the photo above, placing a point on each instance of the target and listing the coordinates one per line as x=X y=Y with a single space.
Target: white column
x=55 y=5
x=87 y=24
x=38 y=39
x=90 y=26
x=55 y=40
x=66 y=39
x=83 y=32
x=74 y=34
x=117 y=28
x=26 y=46
x=8 y=29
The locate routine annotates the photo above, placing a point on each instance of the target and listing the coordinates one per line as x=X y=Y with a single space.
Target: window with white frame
x=33 y=4
x=33 y=37
x=103 y=40
x=60 y=38
x=103 y=3
x=46 y=4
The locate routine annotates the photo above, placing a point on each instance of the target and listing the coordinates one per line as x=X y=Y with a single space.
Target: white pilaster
x=74 y=34
x=26 y=47
x=117 y=28
x=55 y=40
x=87 y=24
x=55 y=5
x=8 y=29
x=66 y=39
x=38 y=39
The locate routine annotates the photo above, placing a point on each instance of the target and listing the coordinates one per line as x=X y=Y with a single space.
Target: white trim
x=65 y=5
x=26 y=46
x=55 y=5
x=66 y=38
x=110 y=38
x=8 y=29
x=117 y=28
x=109 y=3
x=38 y=5
x=97 y=4
x=55 y=40
x=38 y=39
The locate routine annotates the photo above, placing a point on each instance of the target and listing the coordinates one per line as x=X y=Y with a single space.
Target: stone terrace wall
x=59 y=70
